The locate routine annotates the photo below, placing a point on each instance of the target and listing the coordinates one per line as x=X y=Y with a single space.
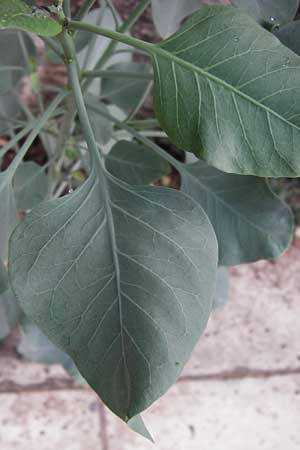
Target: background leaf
x=125 y=93
x=269 y=11
x=30 y=184
x=16 y=14
x=135 y=164
x=216 y=96
x=124 y=278
x=9 y=313
x=250 y=221
x=289 y=35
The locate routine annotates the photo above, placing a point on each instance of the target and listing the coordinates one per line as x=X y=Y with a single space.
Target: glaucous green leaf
x=222 y=288
x=229 y=91
x=250 y=221
x=289 y=35
x=271 y=12
x=126 y=93
x=17 y=15
x=135 y=164
x=121 y=278
x=3 y=278
x=9 y=313
x=30 y=184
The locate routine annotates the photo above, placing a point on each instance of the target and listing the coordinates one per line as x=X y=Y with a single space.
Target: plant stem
x=144 y=140
x=84 y=9
x=35 y=132
x=126 y=25
x=67 y=8
x=115 y=35
x=70 y=55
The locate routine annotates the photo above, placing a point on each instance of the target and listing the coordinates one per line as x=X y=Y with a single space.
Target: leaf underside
x=122 y=280
x=229 y=91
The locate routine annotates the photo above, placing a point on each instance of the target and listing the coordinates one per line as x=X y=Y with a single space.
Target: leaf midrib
x=157 y=50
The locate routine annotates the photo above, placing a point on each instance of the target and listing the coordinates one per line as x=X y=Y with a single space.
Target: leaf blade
x=209 y=77
x=121 y=278
x=250 y=221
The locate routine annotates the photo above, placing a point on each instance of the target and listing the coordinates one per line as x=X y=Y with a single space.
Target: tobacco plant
x=119 y=272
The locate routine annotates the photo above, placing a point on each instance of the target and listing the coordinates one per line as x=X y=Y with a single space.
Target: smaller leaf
x=9 y=313
x=3 y=278
x=15 y=14
x=35 y=346
x=289 y=35
x=250 y=221
x=222 y=288
x=126 y=93
x=135 y=164
x=30 y=184
x=137 y=424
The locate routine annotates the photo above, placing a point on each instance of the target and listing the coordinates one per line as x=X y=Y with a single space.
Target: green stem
x=74 y=80
x=35 y=132
x=126 y=25
x=144 y=140
x=115 y=35
x=116 y=74
x=67 y=8
x=84 y=9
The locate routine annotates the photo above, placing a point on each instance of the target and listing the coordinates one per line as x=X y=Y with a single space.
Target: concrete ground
x=240 y=390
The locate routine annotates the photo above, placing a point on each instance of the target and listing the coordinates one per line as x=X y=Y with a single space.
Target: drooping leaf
x=222 y=288
x=121 y=278
x=9 y=313
x=135 y=164
x=126 y=93
x=229 y=91
x=272 y=12
x=16 y=14
x=289 y=35
x=30 y=184
x=250 y=221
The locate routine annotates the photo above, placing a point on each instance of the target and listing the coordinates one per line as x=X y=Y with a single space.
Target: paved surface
x=240 y=390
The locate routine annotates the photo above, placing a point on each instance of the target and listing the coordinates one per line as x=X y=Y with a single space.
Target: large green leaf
x=121 y=278
x=250 y=222
x=16 y=14
x=135 y=164
x=269 y=11
x=229 y=91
